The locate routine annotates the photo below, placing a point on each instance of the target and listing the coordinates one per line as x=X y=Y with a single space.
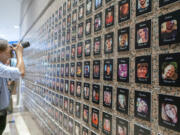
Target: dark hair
x=3 y=44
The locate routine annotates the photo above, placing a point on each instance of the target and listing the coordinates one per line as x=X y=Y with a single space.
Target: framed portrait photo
x=78 y=110
x=87 y=69
x=143 y=35
x=86 y=113
x=88 y=7
x=108 y=69
x=142 y=105
x=79 y=69
x=140 y=130
x=98 y=22
x=165 y=2
x=79 y=49
x=107 y=96
x=80 y=30
x=72 y=69
x=78 y=89
x=96 y=69
x=109 y=17
x=143 y=6
x=71 y=106
x=84 y=131
x=72 y=88
x=122 y=126
x=169 y=28
x=88 y=26
x=123 y=69
x=87 y=48
x=77 y=129
x=97 y=4
x=108 y=43
x=95 y=93
x=143 y=69
x=123 y=10
x=169 y=112
x=73 y=51
x=95 y=118
x=97 y=45
x=122 y=101
x=74 y=16
x=86 y=91
x=81 y=11
x=169 y=69
x=107 y=124
x=123 y=39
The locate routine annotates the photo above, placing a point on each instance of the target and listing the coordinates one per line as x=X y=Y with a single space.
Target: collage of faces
x=71 y=78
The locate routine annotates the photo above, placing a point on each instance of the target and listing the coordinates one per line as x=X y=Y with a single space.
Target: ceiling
x=10 y=19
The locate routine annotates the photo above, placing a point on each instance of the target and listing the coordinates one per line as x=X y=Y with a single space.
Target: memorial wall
x=105 y=67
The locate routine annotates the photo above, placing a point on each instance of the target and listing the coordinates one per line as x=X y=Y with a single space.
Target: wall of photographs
x=105 y=67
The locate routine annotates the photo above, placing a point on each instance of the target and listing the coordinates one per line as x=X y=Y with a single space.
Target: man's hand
x=19 y=50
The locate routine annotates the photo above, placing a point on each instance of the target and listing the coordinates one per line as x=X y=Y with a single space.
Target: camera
x=24 y=44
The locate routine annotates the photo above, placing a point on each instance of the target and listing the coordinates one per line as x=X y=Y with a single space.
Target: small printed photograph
x=74 y=3
x=67 y=53
x=70 y=125
x=62 y=54
x=71 y=106
x=84 y=131
x=67 y=69
x=169 y=67
x=87 y=69
x=95 y=118
x=64 y=9
x=86 y=113
x=81 y=11
x=124 y=10
x=108 y=43
x=88 y=26
x=86 y=91
x=169 y=28
x=97 y=3
x=72 y=70
x=96 y=69
x=107 y=96
x=142 y=105
x=123 y=39
x=73 y=51
x=95 y=93
x=65 y=122
x=169 y=112
x=74 y=29
x=79 y=69
x=98 y=22
x=66 y=86
x=88 y=7
x=123 y=69
x=69 y=5
x=108 y=69
x=140 y=130
x=78 y=109
x=61 y=102
x=109 y=17
x=122 y=100
x=69 y=20
x=143 y=69
x=165 y=2
x=60 y=12
x=74 y=16
x=143 y=35
x=143 y=6
x=87 y=48
x=65 y=104
x=78 y=89
x=77 y=129
x=80 y=30
x=107 y=123
x=72 y=88
x=122 y=126
x=79 y=49
x=97 y=45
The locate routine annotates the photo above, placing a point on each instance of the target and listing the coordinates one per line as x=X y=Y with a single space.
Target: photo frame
x=88 y=7
x=67 y=69
x=75 y=3
x=86 y=113
x=143 y=7
x=87 y=48
x=73 y=51
x=95 y=118
x=81 y=11
x=96 y=69
x=97 y=45
x=72 y=70
x=65 y=104
x=97 y=4
x=142 y=105
x=123 y=39
x=123 y=10
x=77 y=129
x=123 y=69
x=109 y=16
x=84 y=131
x=80 y=30
x=169 y=112
x=98 y=22
x=143 y=69
x=86 y=69
x=69 y=5
x=86 y=92
x=78 y=89
x=95 y=93
x=143 y=35
x=122 y=126
x=79 y=69
x=122 y=100
x=141 y=130
x=78 y=110
x=74 y=16
x=72 y=88
x=69 y=20
x=169 y=67
x=107 y=123
x=79 y=49
x=108 y=43
x=107 y=96
x=108 y=69
x=64 y=9
x=71 y=123
x=88 y=26
x=71 y=106
x=169 y=28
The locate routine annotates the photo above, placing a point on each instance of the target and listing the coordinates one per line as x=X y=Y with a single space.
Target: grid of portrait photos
x=95 y=68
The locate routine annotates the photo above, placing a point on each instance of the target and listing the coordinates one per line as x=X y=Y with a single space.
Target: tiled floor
x=21 y=122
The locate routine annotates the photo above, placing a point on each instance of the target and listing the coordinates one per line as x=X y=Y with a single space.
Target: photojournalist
x=6 y=73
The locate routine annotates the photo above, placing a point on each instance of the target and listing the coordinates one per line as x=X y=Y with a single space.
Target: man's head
x=5 y=51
